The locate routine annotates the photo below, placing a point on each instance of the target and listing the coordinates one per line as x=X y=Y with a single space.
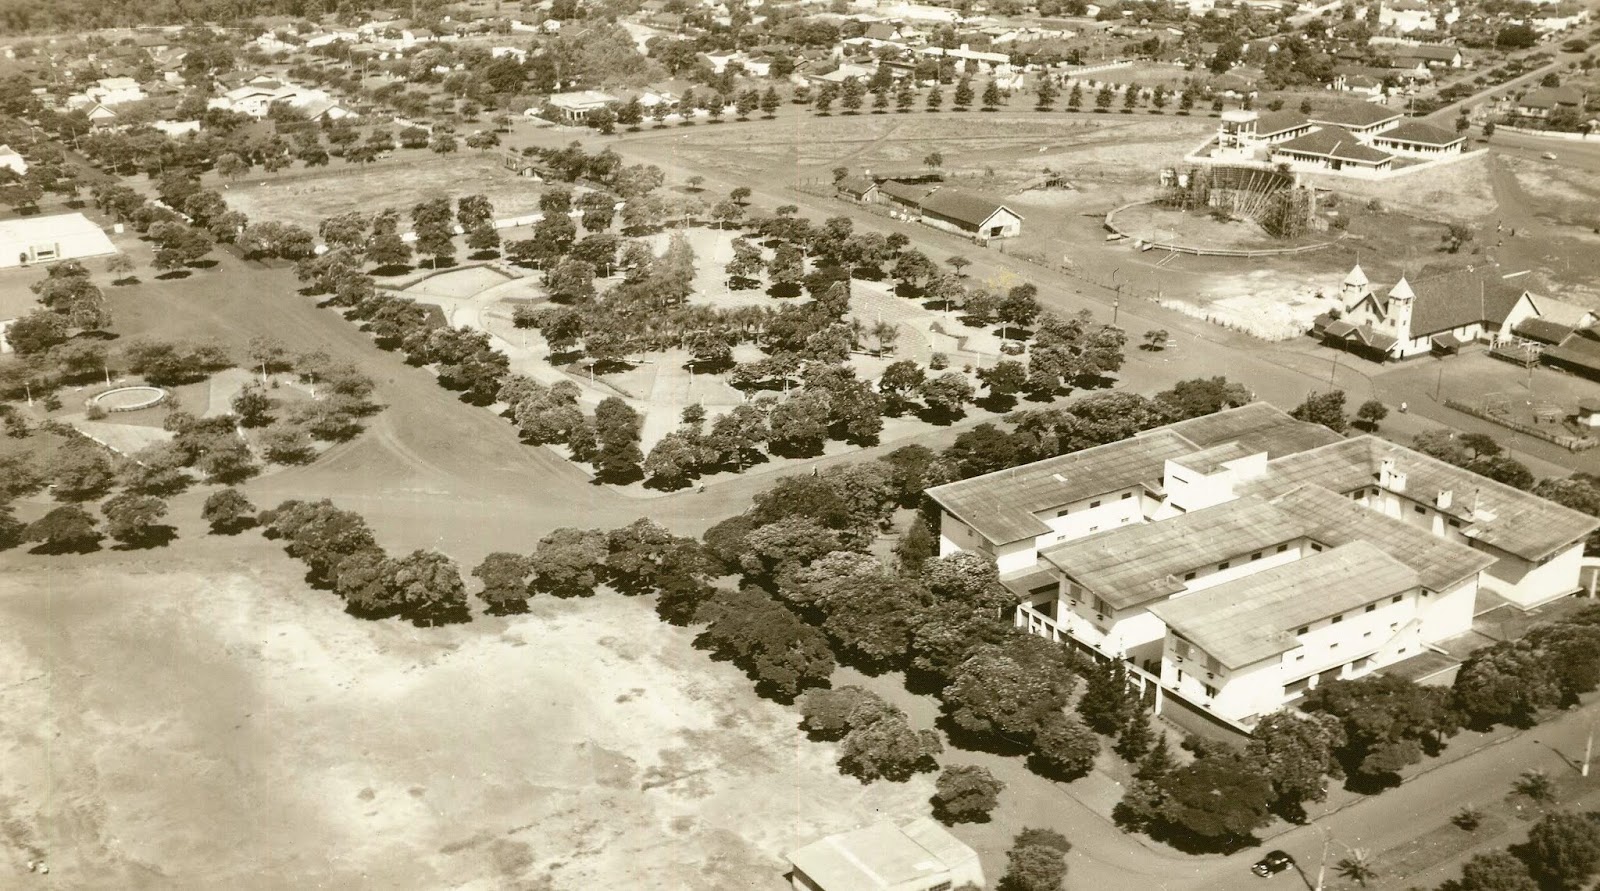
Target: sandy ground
x=213 y=723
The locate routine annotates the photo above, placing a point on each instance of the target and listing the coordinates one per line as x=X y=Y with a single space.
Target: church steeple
x=1398 y=308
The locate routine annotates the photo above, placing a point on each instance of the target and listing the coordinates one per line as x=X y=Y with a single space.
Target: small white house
x=64 y=236
x=919 y=856
x=13 y=161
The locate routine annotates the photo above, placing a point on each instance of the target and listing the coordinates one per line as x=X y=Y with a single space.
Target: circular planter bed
x=128 y=398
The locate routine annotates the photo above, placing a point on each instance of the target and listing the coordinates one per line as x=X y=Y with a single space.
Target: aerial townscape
x=827 y=445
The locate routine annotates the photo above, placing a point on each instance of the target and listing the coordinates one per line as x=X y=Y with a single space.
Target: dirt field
x=308 y=198
x=214 y=723
x=1015 y=145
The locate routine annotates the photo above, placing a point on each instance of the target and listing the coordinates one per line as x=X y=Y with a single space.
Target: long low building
x=66 y=236
x=1132 y=550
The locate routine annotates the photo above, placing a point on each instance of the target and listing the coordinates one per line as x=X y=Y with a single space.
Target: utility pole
x=1588 y=749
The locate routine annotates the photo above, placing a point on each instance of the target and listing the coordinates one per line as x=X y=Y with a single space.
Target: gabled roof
x=1423 y=134
x=1550 y=97
x=1000 y=506
x=857 y=185
x=1333 y=142
x=906 y=192
x=1258 y=427
x=1354 y=114
x=1542 y=330
x=1429 y=52
x=963 y=207
x=1133 y=565
x=1247 y=620
x=1335 y=520
x=1577 y=350
x=1493 y=513
x=1273 y=122
x=1460 y=297
x=1559 y=311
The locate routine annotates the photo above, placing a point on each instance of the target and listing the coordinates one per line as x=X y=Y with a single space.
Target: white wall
x=1528 y=584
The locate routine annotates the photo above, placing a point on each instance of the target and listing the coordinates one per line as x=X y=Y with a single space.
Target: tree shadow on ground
x=174 y=275
x=153 y=537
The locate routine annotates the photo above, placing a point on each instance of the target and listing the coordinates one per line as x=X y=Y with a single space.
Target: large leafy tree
x=132 y=518
x=505 y=582
x=569 y=562
x=1298 y=754
x=1222 y=798
x=1564 y=849
x=782 y=654
x=1508 y=682
x=66 y=529
x=887 y=748
x=1388 y=722
x=966 y=793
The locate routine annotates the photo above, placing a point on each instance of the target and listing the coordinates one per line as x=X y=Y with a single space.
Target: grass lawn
x=196 y=717
x=308 y=197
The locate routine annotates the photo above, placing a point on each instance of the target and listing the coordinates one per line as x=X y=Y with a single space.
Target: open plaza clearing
x=271 y=740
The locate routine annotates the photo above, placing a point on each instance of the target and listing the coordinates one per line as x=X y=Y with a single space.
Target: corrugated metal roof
x=1245 y=621
x=1001 y=505
x=1258 y=427
x=1498 y=515
x=1133 y=565
x=1353 y=114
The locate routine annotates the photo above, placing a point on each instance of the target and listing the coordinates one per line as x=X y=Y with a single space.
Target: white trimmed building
x=1239 y=559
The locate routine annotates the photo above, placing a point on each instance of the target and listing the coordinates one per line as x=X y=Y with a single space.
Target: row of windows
x=1189 y=576
x=1092 y=505
x=1367 y=609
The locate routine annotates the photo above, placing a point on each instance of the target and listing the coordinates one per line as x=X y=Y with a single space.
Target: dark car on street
x=1272 y=864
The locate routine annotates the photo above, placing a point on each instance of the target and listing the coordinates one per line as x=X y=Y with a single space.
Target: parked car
x=1272 y=864
x=1548 y=156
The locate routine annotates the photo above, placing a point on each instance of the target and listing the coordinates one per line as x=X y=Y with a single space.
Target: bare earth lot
x=213 y=723
x=306 y=199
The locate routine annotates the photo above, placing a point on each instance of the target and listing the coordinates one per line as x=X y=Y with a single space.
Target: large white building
x=1239 y=559
x=46 y=239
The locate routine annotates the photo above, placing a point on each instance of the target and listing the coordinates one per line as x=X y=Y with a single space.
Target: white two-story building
x=1247 y=508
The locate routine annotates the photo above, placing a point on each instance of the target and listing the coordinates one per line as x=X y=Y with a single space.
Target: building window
x=1334 y=645
x=1211 y=692
x=1316 y=547
x=1336 y=620
x=1063 y=512
x=1127 y=495
x=1455 y=524
x=1256 y=556
x=1282 y=548
x=1188 y=576
x=1094 y=504
x=1303 y=629
x=1222 y=566
x=1371 y=607
x=1419 y=508
x=1300 y=657
x=1396 y=598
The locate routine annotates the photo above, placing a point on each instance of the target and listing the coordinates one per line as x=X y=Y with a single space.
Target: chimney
x=1390 y=478
x=1445 y=499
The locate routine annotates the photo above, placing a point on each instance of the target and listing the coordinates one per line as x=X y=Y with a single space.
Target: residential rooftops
x=1273 y=122
x=1247 y=620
